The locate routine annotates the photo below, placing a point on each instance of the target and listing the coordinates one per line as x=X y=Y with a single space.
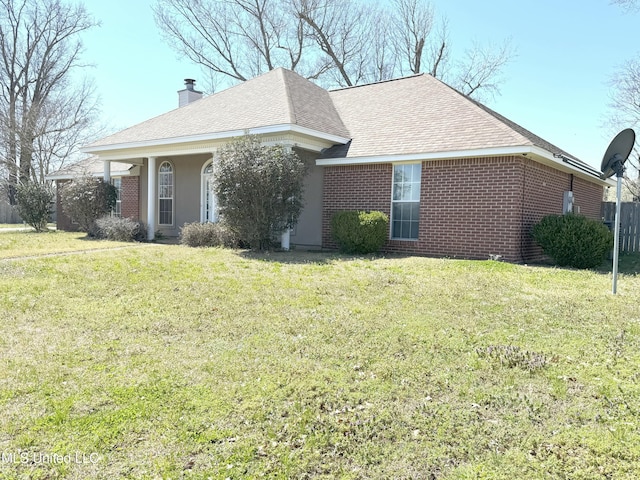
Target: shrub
x=85 y=199
x=360 y=232
x=34 y=204
x=207 y=235
x=259 y=189
x=120 y=229
x=573 y=240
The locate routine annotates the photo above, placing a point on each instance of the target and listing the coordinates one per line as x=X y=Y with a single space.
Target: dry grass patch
x=30 y=243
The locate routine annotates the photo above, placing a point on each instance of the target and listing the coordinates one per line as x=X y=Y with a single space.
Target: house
x=456 y=178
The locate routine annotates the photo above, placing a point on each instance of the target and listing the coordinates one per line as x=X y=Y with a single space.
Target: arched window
x=208 y=203
x=165 y=194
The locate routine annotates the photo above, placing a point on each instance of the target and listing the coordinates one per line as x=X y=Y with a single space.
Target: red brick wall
x=588 y=197
x=469 y=208
x=356 y=187
x=130 y=197
x=544 y=190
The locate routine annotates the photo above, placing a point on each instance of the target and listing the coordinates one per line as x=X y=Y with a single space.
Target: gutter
x=579 y=165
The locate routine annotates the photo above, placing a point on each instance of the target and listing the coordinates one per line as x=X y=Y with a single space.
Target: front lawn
x=171 y=362
x=29 y=243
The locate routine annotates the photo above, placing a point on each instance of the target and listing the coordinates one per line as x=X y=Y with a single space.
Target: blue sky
x=557 y=86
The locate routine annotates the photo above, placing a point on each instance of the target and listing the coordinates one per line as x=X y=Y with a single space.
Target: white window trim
x=114 y=210
x=173 y=193
x=203 y=195
x=402 y=239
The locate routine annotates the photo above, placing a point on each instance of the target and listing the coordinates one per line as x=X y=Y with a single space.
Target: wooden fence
x=629 y=223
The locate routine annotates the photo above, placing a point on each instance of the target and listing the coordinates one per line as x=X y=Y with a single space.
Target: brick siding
x=588 y=197
x=469 y=208
x=130 y=197
x=544 y=188
x=356 y=187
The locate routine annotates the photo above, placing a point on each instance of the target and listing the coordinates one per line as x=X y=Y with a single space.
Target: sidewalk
x=22 y=229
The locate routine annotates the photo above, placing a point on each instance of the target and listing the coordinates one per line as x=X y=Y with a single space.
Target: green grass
x=170 y=362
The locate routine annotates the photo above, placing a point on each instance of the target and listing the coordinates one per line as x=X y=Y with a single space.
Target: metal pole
x=616 y=234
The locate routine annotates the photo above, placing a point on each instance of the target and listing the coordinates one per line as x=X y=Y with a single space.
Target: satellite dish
x=617 y=153
x=613 y=162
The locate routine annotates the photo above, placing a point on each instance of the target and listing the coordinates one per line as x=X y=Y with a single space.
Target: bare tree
x=438 y=53
x=66 y=122
x=625 y=113
x=629 y=5
x=237 y=39
x=421 y=48
x=414 y=20
x=42 y=115
x=478 y=73
x=342 y=32
x=336 y=42
x=384 y=61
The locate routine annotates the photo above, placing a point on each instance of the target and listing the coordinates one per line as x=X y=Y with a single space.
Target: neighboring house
x=456 y=178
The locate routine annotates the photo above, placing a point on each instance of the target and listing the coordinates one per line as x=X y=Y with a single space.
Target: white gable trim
x=132 y=172
x=267 y=130
x=412 y=157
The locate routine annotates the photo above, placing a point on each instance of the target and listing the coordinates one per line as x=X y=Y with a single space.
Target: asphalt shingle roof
x=410 y=115
x=420 y=114
x=90 y=166
x=275 y=98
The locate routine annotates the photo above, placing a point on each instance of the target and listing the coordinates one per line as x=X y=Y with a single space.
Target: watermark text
x=41 y=458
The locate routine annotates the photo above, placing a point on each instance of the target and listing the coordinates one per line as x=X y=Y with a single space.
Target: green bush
x=360 y=232
x=85 y=199
x=120 y=229
x=207 y=235
x=259 y=189
x=573 y=240
x=34 y=204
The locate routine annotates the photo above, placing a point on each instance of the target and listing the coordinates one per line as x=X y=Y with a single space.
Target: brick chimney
x=189 y=94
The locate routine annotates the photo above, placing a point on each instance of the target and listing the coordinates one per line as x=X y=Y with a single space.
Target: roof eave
x=213 y=136
x=540 y=154
x=71 y=176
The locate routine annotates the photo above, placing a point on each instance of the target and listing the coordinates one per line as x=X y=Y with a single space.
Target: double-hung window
x=405 y=202
x=165 y=194
x=117 y=208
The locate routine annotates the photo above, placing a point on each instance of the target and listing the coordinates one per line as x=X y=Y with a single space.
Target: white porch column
x=285 y=239
x=151 y=198
x=107 y=171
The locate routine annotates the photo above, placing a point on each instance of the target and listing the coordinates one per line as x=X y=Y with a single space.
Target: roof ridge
x=287 y=93
x=377 y=82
